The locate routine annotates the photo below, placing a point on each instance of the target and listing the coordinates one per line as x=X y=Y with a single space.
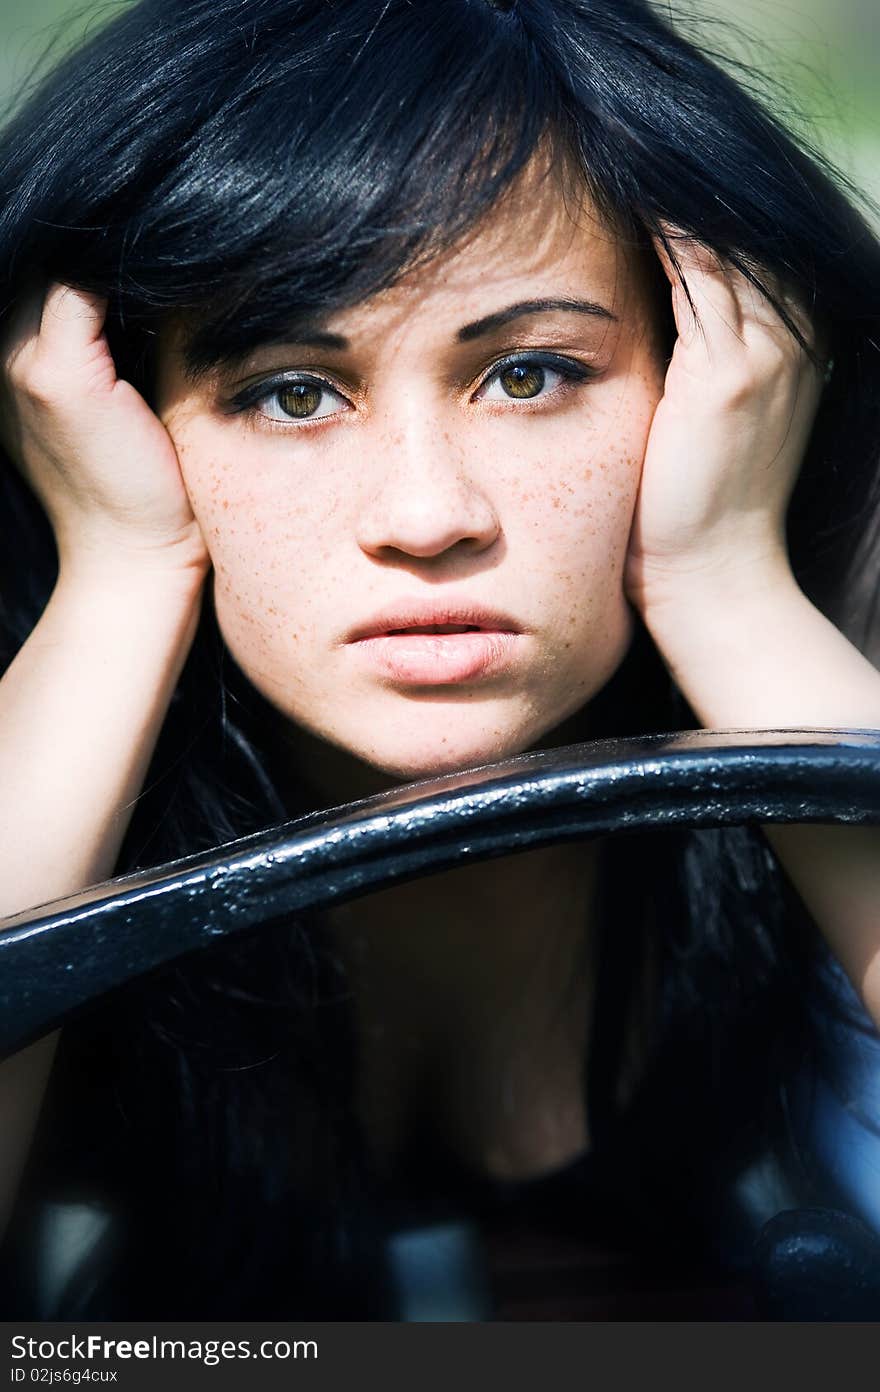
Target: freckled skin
x=417 y=486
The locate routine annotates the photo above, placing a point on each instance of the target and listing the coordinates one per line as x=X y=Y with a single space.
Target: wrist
x=134 y=611
x=714 y=590
x=102 y=555
x=117 y=574
x=721 y=624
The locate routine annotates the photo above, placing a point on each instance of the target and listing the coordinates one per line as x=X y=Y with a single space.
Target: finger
x=686 y=323
x=725 y=297
x=709 y=281
x=802 y=315
x=72 y=342
x=764 y=325
x=72 y=320
x=705 y=305
x=762 y=306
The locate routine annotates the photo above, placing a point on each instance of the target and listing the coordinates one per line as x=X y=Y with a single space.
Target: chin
x=365 y=746
x=416 y=768
x=408 y=760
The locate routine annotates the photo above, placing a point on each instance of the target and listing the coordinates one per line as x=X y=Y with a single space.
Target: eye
x=299 y=399
x=531 y=378
x=290 y=399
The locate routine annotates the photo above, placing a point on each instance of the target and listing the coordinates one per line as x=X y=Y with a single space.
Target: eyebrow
x=491 y=322
x=314 y=337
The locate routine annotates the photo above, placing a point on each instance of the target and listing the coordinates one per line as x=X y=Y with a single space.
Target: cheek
x=581 y=492
x=265 y=536
x=580 y=518
x=612 y=467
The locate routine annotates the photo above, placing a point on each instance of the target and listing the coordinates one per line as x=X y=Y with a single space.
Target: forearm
x=752 y=652
x=81 y=707
x=755 y=653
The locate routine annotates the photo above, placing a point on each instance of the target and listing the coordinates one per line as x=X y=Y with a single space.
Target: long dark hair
x=246 y=164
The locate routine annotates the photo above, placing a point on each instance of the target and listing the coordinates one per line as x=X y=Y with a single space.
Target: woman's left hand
x=727 y=438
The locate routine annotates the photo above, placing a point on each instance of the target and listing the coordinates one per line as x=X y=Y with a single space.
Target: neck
x=472 y=993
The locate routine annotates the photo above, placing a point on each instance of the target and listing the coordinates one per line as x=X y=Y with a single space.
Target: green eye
x=531 y=378
x=523 y=380
x=289 y=399
x=299 y=400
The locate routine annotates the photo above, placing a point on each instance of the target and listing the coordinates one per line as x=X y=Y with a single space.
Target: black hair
x=247 y=166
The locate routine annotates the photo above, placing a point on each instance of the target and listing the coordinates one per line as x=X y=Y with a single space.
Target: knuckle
x=765 y=372
x=739 y=389
x=15 y=368
x=773 y=354
x=39 y=384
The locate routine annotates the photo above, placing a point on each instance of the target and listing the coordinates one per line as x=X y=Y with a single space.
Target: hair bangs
x=329 y=180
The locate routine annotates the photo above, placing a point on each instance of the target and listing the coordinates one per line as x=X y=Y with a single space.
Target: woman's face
x=427 y=462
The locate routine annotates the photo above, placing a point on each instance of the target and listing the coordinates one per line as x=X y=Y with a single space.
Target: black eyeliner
x=267 y=385
x=567 y=367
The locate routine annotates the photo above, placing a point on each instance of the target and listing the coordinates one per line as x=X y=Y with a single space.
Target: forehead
x=544 y=239
x=541 y=237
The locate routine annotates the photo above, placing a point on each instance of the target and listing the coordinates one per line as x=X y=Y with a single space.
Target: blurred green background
x=822 y=58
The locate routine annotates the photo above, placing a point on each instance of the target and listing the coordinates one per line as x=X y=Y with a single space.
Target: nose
x=422 y=500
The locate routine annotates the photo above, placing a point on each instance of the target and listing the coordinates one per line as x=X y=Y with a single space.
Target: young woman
x=333 y=327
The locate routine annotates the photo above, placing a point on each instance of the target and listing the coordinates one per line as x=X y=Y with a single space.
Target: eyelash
x=574 y=374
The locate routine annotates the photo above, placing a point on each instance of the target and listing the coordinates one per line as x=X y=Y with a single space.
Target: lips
x=418 y=644
x=439 y=628
x=421 y=617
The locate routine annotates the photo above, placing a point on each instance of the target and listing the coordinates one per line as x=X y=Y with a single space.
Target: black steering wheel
x=66 y=954
x=63 y=956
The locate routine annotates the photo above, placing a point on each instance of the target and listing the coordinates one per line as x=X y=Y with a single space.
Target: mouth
x=434 y=628
x=413 y=648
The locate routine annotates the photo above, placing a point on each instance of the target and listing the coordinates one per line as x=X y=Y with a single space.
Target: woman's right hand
x=84 y=698
x=100 y=461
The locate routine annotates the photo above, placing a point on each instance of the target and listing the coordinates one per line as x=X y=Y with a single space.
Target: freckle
x=225 y=503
